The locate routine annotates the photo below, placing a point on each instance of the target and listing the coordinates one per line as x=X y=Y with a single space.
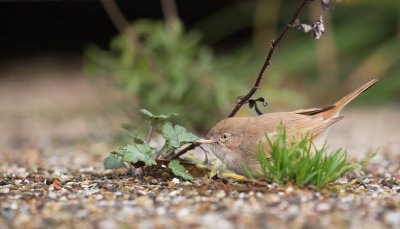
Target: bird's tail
x=333 y=110
x=348 y=98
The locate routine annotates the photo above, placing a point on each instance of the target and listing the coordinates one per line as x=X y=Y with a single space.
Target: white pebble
x=175 y=181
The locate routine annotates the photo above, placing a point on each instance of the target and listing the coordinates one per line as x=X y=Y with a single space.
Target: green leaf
x=176 y=136
x=132 y=133
x=157 y=118
x=137 y=152
x=112 y=162
x=178 y=170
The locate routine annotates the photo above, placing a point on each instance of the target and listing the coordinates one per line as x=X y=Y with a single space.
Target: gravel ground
x=53 y=140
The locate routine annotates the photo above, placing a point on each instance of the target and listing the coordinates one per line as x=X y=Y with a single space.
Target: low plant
x=302 y=163
x=141 y=153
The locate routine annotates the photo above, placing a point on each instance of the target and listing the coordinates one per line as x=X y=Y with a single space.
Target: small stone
x=161 y=211
x=272 y=199
x=148 y=178
x=118 y=193
x=14 y=206
x=323 y=207
x=396 y=188
x=220 y=194
x=57 y=185
x=154 y=181
x=289 y=189
x=175 y=181
x=392 y=218
x=259 y=195
x=52 y=195
x=173 y=193
x=144 y=201
x=55 y=175
x=183 y=212
x=166 y=175
x=367 y=180
x=108 y=224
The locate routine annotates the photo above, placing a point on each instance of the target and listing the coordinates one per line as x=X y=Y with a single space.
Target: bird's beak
x=204 y=141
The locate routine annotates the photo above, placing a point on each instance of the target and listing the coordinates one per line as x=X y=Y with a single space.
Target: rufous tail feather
x=339 y=105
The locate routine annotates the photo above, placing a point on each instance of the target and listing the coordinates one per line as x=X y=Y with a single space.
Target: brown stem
x=274 y=43
x=115 y=14
x=150 y=132
x=184 y=150
x=170 y=11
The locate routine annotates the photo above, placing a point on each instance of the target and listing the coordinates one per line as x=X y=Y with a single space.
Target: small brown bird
x=233 y=139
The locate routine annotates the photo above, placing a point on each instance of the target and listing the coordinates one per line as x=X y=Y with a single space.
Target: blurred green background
x=195 y=58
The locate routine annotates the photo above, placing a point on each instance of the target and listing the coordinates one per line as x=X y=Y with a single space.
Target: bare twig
x=150 y=132
x=184 y=150
x=274 y=43
x=115 y=15
x=170 y=11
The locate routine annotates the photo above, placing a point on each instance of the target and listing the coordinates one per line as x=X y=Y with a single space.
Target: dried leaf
x=317 y=27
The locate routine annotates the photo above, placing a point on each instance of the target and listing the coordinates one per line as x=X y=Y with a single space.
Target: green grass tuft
x=301 y=162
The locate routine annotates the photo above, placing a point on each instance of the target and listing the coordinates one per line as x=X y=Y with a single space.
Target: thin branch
x=121 y=23
x=115 y=14
x=274 y=43
x=150 y=132
x=170 y=11
x=184 y=150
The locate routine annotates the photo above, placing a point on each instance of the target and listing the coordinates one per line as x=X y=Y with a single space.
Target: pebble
x=175 y=181
x=392 y=218
x=220 y=194
x=4 y=190
x=396 y=188
x=108 y=224
x=323 y=207
x=52 y=195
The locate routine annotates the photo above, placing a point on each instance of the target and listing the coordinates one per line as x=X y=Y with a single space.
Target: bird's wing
x=296 y=125
x=313 y=111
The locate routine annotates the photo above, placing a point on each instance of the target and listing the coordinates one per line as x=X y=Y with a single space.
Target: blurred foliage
x=168 y=70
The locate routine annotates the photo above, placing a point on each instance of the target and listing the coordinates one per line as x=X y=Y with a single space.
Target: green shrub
x=167 y=70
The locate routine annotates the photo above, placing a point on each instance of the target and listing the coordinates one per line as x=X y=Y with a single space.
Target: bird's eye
x=225 y=136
